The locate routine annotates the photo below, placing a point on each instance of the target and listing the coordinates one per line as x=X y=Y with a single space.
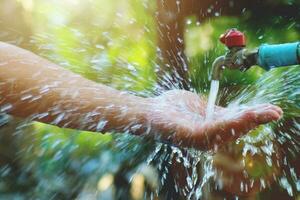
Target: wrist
x=130 y=114
x=137 y=119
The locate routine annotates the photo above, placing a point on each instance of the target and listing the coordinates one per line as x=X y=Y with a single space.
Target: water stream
x=213 y=93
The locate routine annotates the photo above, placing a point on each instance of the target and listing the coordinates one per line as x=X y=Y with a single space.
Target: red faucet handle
x=233 y=38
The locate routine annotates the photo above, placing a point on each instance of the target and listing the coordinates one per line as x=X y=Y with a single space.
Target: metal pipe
x=217 y=67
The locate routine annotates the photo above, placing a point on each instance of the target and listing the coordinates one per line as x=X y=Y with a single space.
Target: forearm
x=32 y=87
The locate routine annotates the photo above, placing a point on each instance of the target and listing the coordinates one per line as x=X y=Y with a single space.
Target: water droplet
x=6 y=107
x=260 y=37
x=101 y=125
x=189 y=22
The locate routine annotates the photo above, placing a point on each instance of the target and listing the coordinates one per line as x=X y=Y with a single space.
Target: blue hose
x=272 y=56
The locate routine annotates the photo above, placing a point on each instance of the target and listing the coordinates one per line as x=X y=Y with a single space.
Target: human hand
x=179 y=117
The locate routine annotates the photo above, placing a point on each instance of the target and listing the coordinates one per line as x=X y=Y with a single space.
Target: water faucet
x=266 y=56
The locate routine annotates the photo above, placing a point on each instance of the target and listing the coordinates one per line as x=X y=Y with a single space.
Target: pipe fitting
x=217 y=67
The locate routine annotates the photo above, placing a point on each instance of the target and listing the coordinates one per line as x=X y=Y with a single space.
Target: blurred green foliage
x=96 y=45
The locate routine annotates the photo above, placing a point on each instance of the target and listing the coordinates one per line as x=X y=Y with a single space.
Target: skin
x=34 y=88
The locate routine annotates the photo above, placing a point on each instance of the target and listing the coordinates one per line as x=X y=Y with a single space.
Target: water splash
x=261 y=159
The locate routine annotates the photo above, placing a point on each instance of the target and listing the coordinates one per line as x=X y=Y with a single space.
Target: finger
x=266 y=116
x=267 y=106
x=224 y=131
x=278 y=110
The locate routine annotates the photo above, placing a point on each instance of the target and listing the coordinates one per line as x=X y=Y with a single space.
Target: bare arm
x=32 y=87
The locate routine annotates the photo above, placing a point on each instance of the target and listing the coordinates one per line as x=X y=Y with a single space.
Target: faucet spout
x=217 y=67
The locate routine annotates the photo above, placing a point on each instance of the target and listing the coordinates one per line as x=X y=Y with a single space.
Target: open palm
x=180 y=116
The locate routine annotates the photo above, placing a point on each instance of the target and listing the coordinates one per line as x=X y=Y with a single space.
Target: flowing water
x=212 y=97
